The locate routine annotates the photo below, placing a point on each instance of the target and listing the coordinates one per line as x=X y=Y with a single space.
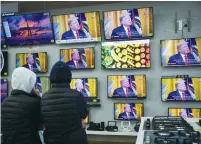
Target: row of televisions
x=42 y=28
x=136 y=111
x=184 y=89
x=115 y=55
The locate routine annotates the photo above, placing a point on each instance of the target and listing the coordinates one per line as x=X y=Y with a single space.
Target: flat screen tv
x=128 y=24
x=87 y=86
x=126 y=86
x=36 y=62
x=4 y=89
x=3 y=38
x=78 y=58
x=181 y=89
x=185 y=112
x=86 y=120
x=126 y=54
x=42 y=84
x=128 y=111
x=4 y=63
x=181 y=52
x=77 y=27
x=28 y=29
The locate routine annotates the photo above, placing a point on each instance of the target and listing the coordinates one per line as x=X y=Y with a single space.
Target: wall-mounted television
x=181 y=89
x=87 y=86
x=3 y=38
x=4 y=63
x=185 y=112
x=128 y=111
x=126 y=86
x=28 y=29
x=4 y=89
x=86 y=120
x=77 y=27
x=36 y=62
x=78 y=58
x=181 y=52
x=128 y=24
x=42 y=84
x=125 y=54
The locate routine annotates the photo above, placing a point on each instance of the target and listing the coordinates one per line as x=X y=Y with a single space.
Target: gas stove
x=171 y=130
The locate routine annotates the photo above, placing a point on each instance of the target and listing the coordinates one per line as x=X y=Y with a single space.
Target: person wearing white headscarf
x=20 y=111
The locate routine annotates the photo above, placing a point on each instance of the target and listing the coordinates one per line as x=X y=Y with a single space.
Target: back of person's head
x=60 y=73
x=23 y=79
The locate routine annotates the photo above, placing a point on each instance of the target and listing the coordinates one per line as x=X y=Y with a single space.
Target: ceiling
x=29 y=6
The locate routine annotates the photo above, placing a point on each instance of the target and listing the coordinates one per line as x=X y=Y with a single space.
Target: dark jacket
x=63 y=109
x=20 y=118
x=120 y=92
x=69 y=35
x=35 y=69
x=176 y=96
x=120 y=33
x=178 y=60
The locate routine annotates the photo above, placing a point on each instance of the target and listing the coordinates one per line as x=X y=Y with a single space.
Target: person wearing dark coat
x=63 y=109
x=20 y=112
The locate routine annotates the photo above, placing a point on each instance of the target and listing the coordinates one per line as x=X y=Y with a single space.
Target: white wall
x=164 y=13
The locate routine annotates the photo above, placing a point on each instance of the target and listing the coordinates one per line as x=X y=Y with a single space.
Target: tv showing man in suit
x=126 y=30
x=79 y=86
x=76 y=61
x=183 y=57
x=125 y=90
x=75 y=32
x=185 y=112
x=31 y=64
x=181 y=93
x=128 y=114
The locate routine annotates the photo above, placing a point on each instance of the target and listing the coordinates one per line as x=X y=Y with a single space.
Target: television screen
x=126 y=55
x=4 y=89
x=3 y=39
x=86 y=120
x=87 y=86
x=28 y=29
x=185 y=112
x=181 y=52
x=126 y=86
x=4 y=63
x=181 y=89
x=36 y=62
x=42 y=84
x=128 y=111
x=78 y=58
x=77 y=27
x=128 y=23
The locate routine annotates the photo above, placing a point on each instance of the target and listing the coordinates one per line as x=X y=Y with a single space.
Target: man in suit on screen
x=31 y=65
x=126 y=30
x=75 y=32
x=184 y=57
x=76 y=62
x=181 y=93
x=127 y=114
x=186 y=113
x=125 y=89
x=80 y=87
